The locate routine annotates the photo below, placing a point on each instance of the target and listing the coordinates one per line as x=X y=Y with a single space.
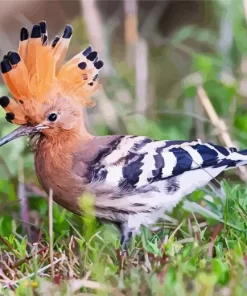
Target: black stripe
x=226 y=162
x=171 y=143
x=147 y=189
x=221 y=149
x=172 y=185
x=108 y=149
x=125 y=186
x=97 y=171
x=209 y=156
x=99 y=174
x=233 y=149
x=122 y=211
x=159 y=165
x=142 y=143
x=114 y=210
x=184 y=161
x=137 y=204
x=131 y=170
x=243 y=152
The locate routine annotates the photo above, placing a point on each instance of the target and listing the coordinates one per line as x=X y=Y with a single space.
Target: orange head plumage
x=44 y=89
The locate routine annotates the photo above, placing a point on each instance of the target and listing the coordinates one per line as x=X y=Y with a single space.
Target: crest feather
x=14 y=113
x=34 y=72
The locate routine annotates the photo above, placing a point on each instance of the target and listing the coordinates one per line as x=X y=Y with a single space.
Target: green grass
x=192 y=254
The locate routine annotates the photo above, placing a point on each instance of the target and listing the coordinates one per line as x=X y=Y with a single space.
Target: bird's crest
x=36 y=73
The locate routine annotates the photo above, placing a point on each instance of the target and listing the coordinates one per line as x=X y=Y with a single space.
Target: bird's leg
x=126 y=234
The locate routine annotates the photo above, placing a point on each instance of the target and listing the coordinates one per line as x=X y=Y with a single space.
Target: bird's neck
x=54 y=165
x=64 y=140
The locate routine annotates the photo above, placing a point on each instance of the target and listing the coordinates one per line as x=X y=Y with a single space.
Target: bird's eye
x=52 y=117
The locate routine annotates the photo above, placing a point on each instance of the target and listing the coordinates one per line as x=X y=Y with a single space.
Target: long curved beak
x=21 y=131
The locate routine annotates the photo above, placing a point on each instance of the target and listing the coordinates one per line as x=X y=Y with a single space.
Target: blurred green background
x=157 y=54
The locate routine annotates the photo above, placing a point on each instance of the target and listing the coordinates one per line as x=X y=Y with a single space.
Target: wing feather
x=145 y=177
x=139 y=161
x=157 y=174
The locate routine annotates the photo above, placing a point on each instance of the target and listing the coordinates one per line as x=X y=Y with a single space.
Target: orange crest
x=36 y=73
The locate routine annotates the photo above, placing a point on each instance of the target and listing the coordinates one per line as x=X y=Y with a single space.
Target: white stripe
x=197 y=159
x=148 y=166
x=114 y=175
x=170 y=161
x=236 y=156
x=152 y=146
x=122 y=149
x=182 y=145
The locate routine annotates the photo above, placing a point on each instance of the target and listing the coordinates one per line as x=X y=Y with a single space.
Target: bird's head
x=48 y=95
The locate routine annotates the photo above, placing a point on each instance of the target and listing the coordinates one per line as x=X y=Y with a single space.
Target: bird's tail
x=234 y=159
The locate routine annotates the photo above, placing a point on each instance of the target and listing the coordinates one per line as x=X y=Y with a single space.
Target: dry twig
x=40 y=271
x=141 y=72
x=24 y=207
x=130 y=30
x=51 y=231
x=243 y=63
x=220 y=125
x=94 y=24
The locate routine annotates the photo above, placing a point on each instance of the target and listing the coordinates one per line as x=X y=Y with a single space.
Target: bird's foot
x=125 y=239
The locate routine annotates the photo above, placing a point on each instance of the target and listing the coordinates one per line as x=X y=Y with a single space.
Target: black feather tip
x=4 y=101
x=95 y=77
x=55 y=41
x=14 y=58
x=10 y=116
x=42 y=27
x=9 y=53
x=44 y=40
x=24 y=34
x=36 y=31
x=87 y=51
x=5 y=66
x=99 y=65
x=92 y=56
x=67 y=32
x=82 y=65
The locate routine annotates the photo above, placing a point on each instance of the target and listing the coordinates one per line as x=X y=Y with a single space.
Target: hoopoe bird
x=133 y=179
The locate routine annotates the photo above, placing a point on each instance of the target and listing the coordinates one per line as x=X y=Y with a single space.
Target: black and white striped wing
x=138 y=168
